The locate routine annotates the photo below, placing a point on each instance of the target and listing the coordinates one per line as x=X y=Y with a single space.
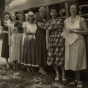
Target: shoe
x=57 y=76
x=43 y=73
x=63 y=77
x=7 y=66
x=56 y=79
x=79 y=84
x=28 y=70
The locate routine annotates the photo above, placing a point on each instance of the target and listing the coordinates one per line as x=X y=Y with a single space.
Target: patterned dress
x=55 y=43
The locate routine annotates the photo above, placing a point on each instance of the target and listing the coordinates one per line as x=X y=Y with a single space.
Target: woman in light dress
x=12 y=40
x=18 y=26
x=75 y=53
x=29 y=43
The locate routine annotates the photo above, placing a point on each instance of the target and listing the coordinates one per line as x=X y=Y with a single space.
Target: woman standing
x=5 y=44
x=12 y=40
x=41 y=40
x=18 y=26
x=75 y=53
x=55 y=43
x=29 y=42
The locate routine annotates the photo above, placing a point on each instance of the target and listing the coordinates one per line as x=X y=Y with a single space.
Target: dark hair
x=4 y=13
x=21 y=12
x=15 y=16
x=53 y=8
x=73 y=3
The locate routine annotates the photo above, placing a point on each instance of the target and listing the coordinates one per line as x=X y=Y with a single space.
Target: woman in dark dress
x=5 y=45
x=41 y=40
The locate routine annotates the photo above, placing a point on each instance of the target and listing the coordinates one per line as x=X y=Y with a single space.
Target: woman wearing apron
x=75 y=51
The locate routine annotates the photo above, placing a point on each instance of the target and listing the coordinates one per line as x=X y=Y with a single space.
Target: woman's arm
x=24 y=34
x=47 y=37
x=41 y=25
x=9 y=35
x=84 y=27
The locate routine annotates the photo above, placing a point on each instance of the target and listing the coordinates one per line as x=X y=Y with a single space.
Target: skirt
x=75 y=55
x=30 y=52
x=13 y=47
x=5 y=46
x=56 y=49
x=19 y=47
x=41 y=49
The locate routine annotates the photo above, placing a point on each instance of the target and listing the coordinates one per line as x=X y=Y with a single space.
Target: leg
x=77 y=75
x=63 y=73
x=57 y=73
x=79 y=83
x=14 y=67
x=7 y=63
x=14 y=64
x=41 y=70
x=28 y=69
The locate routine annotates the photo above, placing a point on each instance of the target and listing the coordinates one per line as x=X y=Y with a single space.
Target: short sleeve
x=24 y=24
x=66 y=23
x=82 y=19
x=66 y=20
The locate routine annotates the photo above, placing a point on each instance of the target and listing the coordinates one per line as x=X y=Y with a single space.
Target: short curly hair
x=12 y=15
x=4 y=13
x=73 y=3
x=21 y=12
x=28 y=14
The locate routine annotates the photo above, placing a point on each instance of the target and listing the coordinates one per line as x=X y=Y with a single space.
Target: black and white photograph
x=43 y=43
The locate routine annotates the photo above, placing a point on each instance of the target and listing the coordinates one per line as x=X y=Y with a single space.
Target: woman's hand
x=73 y=31
x=5 y=24
x=9 y=43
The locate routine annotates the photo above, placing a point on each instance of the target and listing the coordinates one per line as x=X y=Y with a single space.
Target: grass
x=20 y=78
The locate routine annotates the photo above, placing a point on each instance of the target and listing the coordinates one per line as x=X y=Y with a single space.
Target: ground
x=20 y=78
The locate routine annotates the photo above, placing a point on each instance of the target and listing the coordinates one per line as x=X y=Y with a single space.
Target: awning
x=17 y=5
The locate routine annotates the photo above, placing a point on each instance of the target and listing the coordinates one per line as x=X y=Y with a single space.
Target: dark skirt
x=30 y=52
x=41 y=47
x=5 y=46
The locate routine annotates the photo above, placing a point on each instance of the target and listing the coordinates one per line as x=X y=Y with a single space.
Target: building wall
x=2 y=7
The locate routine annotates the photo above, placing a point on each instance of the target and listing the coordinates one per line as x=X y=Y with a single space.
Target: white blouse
x=30 y=28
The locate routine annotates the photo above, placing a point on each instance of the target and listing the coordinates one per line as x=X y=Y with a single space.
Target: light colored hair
x=42 y=9
x=28 y=14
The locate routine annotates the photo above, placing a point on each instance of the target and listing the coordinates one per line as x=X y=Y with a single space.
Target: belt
x=30 y=33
